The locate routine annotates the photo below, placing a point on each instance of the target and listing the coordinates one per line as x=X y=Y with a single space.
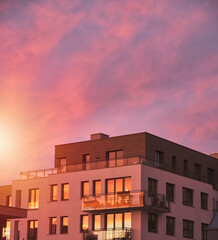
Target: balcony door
x=118 y=221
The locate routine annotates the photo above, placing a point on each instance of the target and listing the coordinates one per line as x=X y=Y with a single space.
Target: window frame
x=82 y=221
x=62 y=192
x=82 y=189
x=35 y=203
x=52 y=192
x=204 y=202
x=50 y=226
x=169 y=231
x=123 y=185
x=189 y=192
x=189 y=229
x=62 y=227
x=170 y=195
x=151 y=222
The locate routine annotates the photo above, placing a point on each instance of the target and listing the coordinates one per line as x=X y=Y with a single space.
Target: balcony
x=126 y=200
x=109 y=234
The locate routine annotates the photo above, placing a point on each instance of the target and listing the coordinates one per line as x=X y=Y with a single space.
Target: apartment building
x=136 y=186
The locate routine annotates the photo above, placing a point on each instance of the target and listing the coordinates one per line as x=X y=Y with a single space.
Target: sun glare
x=6 y=141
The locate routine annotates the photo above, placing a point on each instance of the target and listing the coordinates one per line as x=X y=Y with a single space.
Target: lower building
x=118 y=197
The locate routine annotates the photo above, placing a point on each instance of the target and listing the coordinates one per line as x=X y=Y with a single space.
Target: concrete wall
x=178 y=210
x=71 y=207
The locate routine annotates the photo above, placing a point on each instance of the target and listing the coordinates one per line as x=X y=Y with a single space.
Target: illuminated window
x=96 y=222
x=64 y=224
x=54 y=192
x=32 y=229
x=85 y=189
x=118 y=221
x=118 y=185
x=6 y=231
x=84 y=223
x=33 y=199
x=8 y=201
x=52 y=225
x=65 y=191
x=97 y=187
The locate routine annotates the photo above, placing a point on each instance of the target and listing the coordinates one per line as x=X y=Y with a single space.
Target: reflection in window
x=118 y=185
x=54 y=192
x=63 y=164
x=118 y=220
x=115 y=157
x=33 y=199
x=97 y=187
x=65 y=191
x=6 y=231
x=84 y=223
x=97 y=222
x=32 y=229
x=64 y=224
x=52 y=225
x=8 y=201
x=85 y=189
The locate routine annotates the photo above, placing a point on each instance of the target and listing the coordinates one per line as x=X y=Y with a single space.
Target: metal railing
x=100 y=164
x=129 y=199
x=176 y=170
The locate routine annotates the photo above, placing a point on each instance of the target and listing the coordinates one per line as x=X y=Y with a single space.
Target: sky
x=72 y=68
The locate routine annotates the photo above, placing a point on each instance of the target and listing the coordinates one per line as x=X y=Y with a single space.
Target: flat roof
x=12 y=212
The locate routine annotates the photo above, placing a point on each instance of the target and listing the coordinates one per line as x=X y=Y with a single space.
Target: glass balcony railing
x=125 y=200
x=113 y=234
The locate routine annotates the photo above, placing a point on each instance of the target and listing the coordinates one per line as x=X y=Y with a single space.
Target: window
x=86 y=161
x=18 y=199
x=64 y=224
x=170 y=226
x=170 y=192
x=152 y=186
x=97 y=187
x=96 y=222
x=118 y=185
x=85 y=189
x=62 y=164
x=54 y=192
x=187 y=196
x=115 y=158
x=188 y=229
x=204 y=197
x=210 y=173
x=32 y=229
x=33 y=199
x=52 y=225
x=152 y=222
x=159 y=158
x=84 y=223
x=6 y=231
x=197 y=171
x=65 y=191
x=118 y=220
x=8 y=201
x=174 y=161
x=203 y=231
x=185 y=165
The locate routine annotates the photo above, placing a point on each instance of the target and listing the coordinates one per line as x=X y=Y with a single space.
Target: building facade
x=136 y=186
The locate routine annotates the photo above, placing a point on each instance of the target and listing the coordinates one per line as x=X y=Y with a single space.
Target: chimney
x=96 y=136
